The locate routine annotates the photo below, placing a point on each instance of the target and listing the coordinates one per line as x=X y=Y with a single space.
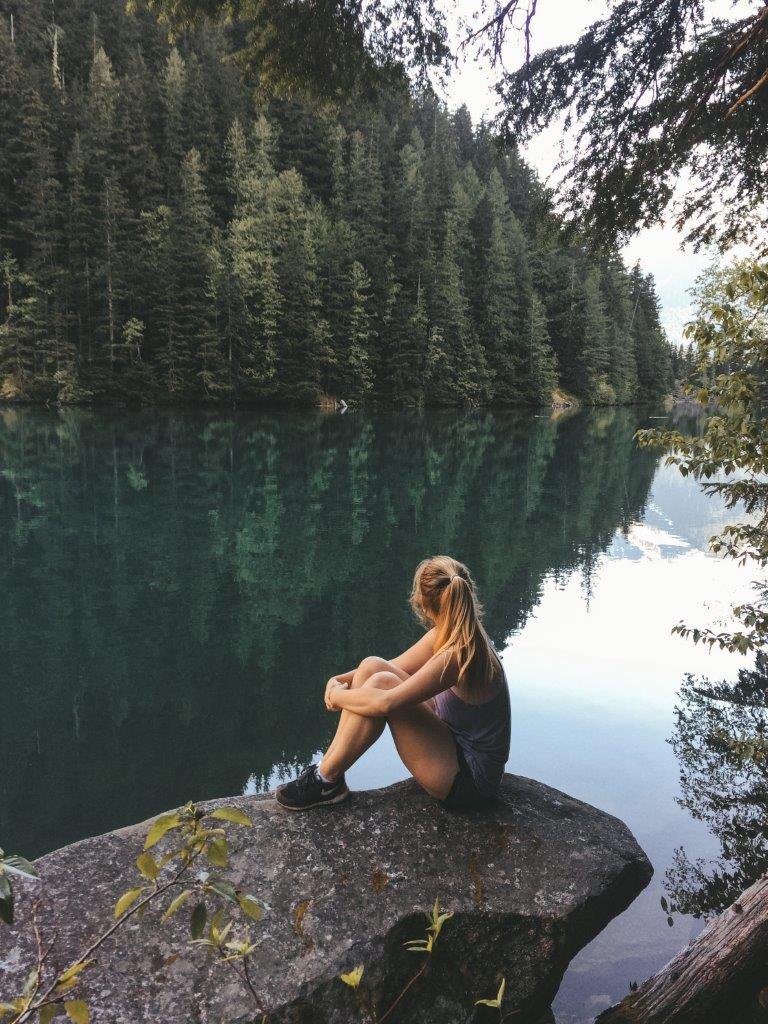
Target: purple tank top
x=482 y=731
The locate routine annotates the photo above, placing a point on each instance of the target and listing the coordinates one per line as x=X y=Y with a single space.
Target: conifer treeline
x=162 y=238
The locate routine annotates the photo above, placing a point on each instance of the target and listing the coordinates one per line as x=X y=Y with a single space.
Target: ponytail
x=444 y=595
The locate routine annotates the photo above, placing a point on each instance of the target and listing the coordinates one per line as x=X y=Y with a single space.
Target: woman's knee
x=383 y=680
x=367 y=668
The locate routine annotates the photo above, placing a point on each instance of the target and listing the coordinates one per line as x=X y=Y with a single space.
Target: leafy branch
x=730 y=334
x=194 y=864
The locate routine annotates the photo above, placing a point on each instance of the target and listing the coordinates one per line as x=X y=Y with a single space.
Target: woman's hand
x=332 y=683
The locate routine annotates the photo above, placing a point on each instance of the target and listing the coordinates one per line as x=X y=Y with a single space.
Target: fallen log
x=715 y=978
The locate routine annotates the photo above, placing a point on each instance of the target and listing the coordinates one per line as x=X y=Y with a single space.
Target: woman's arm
x=409 y=661
x=344 y=678
x=418 y=655
x=439 y=673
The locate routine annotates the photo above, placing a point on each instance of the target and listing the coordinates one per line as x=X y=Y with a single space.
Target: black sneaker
x=309 y=790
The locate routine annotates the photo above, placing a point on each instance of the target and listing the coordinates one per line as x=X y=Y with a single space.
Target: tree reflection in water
x=178 y=586
x=721 y=742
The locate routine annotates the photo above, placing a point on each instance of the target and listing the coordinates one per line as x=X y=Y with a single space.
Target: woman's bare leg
x=425 y=743
x=356 y=733
x=426 y=747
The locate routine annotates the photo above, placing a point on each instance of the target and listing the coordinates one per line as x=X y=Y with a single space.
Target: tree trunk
x=715 y=978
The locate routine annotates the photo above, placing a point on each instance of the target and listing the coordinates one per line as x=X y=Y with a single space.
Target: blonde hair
x=444 y=595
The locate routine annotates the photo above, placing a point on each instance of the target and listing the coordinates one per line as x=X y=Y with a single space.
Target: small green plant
x=353 y=977
x=195 y=863
x=11 y=864
x=496 y=1002
x=435 y=921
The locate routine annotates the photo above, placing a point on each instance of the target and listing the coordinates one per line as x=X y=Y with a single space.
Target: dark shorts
x=464 y=794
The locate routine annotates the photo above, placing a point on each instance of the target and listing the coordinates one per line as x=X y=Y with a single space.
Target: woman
x=445 y=700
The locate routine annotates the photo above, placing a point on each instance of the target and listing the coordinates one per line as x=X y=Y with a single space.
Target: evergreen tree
x=358 y=332
x=19 y=333
x=172 y=91
x=456 y=367
x=591 y=378
x=192 y=357
x=156 y=259
x=246 y=276
x=140 y=169
x=622 y=367
x=79 y=255
x=11 y=89
x=416 y=248
x=110 y=258
x=652 y=355
x=100 y=118
x=505 y=294
x=37 y=234
x=541 y=364
x=303 y=352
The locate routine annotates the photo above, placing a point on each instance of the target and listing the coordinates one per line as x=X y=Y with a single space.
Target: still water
x=176 y=589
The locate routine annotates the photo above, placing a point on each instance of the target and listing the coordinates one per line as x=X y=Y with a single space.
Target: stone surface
x=530 y=882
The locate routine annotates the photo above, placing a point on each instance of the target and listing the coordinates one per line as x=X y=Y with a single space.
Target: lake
x=177 y=588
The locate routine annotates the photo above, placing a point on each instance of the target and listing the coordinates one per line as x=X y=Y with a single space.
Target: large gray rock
x=530 y=883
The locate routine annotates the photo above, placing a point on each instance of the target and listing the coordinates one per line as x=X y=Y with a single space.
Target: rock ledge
x=530 y=883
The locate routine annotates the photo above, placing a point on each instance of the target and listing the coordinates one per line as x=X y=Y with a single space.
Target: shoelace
x=304 y=780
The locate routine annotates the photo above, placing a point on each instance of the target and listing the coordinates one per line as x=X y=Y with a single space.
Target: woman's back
x=482 y=731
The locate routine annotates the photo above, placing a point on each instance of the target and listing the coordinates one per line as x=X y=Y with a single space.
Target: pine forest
x=167 y=236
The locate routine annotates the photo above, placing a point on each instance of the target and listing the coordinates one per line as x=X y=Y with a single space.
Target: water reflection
x=176 y=587
x=721 y=742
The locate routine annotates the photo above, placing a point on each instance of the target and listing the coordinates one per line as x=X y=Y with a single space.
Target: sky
x=659 y=249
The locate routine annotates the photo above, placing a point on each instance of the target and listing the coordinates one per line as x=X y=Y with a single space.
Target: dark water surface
x=176 y=588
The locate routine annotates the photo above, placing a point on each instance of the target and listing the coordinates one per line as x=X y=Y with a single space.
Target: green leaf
x=127 y=900
x=146 y=864
x=197 y=921
x=31 y=982
x=353 y=977
x=233 y=814
x=251 y=907
x=74 y=970
x=175 y=903
x=496 y=1003
x=77 y=1011
x=218 y=853
x=162 y=825
x=20 y=866
x=222 y=888
x=219 y=936
x=48 y=1012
